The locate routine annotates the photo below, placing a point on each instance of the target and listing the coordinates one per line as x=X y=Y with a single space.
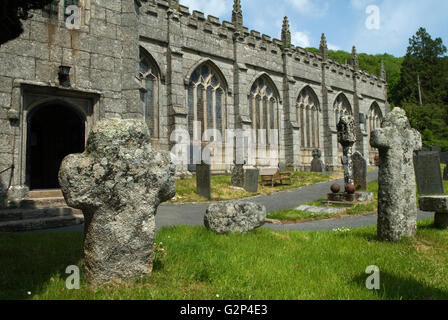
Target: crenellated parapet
x=210 y=28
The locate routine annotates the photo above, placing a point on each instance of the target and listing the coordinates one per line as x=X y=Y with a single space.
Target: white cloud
x=333 y=47
x=300 y=39
x=361 y=4
x=309 y=7
x=216 y=8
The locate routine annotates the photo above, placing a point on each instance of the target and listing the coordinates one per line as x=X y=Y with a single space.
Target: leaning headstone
x=234 y=216
x=203 y=180
x=428 y=173
x=282 y=166
x=359 y=171
x=317 y=165
x=238 y=176
x=251 y=180
x=397 y=200
x=118 y=183
x=444 y=157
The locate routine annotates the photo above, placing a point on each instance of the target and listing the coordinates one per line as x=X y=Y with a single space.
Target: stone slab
x=434 y=204
x=251 y=180
x=203 y=180
x=444 y=157
x=323 y=210
x=359 y=171
x=428 y=174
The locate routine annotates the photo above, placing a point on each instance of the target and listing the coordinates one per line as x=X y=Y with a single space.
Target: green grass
x=221 y=191
x=292 y=215
x=260 y=265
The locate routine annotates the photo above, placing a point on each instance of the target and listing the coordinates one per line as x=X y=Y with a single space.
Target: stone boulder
x=118 y=183
x=234 y=216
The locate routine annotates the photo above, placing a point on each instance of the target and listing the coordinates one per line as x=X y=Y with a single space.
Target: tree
x=11 y=14
x=424 y=60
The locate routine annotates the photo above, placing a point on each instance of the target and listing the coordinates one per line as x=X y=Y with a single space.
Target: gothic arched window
x=374 y=119
x=341 y=107
x=263 y=108
x=308 y=117
x=149 y=76
x=207 y=100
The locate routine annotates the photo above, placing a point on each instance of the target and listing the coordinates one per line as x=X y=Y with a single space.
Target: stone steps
x=40 y=203
x=43 y=209
x=36 y=194
x=41 y=223
x=7 y=215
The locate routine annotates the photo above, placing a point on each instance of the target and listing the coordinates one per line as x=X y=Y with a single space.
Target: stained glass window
x=263 y=106
x=149 y=96
x=206 y=100
x=308 y=114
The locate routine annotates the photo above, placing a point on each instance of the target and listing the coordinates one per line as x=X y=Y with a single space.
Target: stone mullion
x=266 y=118
x=215 y=127
x=223 y=116
x=308 y=126
x=204 y=110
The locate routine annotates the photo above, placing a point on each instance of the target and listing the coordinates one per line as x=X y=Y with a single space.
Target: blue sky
x=343 y=21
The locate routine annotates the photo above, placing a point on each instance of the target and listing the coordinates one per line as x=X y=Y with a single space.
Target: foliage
x=425 y=60
x=372 y=64
x=11 y=14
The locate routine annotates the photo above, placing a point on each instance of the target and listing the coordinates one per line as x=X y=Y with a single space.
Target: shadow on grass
x=29 y=261
x=394 y=287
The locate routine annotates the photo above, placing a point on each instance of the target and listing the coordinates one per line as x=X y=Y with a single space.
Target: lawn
x=264 y=264
x=295 y=216
x=221 y=191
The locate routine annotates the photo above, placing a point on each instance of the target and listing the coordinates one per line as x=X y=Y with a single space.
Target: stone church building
x=158 y=61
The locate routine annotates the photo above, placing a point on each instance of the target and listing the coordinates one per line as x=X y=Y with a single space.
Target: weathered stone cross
x=118 y=183
x=397 y=202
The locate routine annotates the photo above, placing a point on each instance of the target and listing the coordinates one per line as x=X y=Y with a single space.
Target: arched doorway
x=55 y=130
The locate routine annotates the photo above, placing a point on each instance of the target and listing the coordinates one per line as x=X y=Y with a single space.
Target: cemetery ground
x=221 y=190
x=194 y=263
x=297 y=216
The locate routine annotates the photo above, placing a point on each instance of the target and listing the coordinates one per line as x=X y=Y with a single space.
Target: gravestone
x=444 y=157
x=397 y=199
x=238 y=176
x=203 y=180
x=118 y=183
x=428 y=173
x=317 y=165
x=445 y=173
x=251 y=180
x=282 y=166
x=359 y=171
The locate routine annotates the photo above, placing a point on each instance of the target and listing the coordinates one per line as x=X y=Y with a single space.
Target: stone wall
x=104 y=59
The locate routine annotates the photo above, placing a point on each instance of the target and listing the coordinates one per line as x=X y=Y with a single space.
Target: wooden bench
x=273 y=175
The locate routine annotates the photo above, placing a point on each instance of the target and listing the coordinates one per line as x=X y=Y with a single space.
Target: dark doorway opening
x=55 y=130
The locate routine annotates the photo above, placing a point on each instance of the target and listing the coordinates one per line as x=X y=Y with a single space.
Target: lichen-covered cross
x=118 y=183
x=397 y=205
